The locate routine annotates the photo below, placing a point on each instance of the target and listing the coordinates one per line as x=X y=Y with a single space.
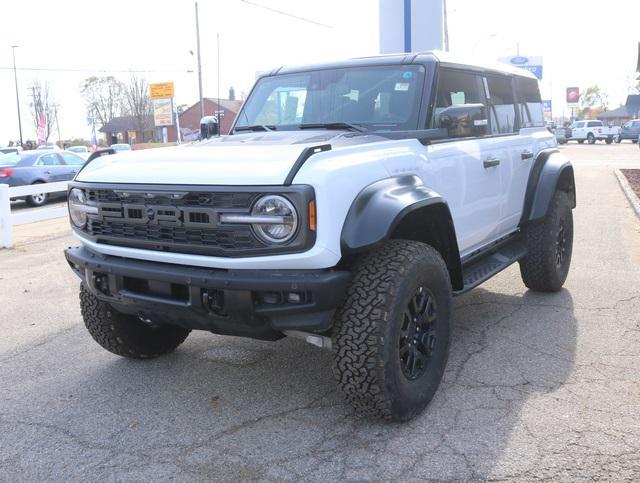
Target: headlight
x=282 y=212
x=77 y=208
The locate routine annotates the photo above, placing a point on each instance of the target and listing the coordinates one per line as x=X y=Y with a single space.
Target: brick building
x=190 y=118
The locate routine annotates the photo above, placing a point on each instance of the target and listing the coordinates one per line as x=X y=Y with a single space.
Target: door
x=463 y=170
x=72 y=165
x=51 y=168
x=512 y=150
x=579 y=132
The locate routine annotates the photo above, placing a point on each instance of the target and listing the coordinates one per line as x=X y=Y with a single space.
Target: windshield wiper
x=334 y=125
x=255 y=127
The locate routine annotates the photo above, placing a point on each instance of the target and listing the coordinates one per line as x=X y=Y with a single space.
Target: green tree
x=593 y=101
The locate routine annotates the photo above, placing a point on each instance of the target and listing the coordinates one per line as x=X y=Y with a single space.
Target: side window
x=529 y=102
x=594 y=124
x=49 y=160
x=72 y=160
x=502 y=111
x=455 y=88
x=636 y=124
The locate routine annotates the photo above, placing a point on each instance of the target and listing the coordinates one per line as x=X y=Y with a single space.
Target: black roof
x=126 y=123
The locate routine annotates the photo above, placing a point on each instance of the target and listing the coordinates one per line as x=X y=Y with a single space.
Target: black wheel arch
x=402 y=208
x=551 y=171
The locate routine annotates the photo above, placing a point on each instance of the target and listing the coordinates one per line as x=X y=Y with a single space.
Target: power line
x=287 y=14
x=104 y=71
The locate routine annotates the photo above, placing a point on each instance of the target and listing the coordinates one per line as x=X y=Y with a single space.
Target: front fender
x=551 y=171
x=379 y=207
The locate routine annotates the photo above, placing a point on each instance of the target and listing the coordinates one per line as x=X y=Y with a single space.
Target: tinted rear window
x=530 y=102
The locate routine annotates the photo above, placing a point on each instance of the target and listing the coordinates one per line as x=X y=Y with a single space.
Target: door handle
x=47 y=172
x=526 y=155
x=491 y=162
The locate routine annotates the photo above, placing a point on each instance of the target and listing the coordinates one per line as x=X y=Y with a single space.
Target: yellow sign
x=161 y=90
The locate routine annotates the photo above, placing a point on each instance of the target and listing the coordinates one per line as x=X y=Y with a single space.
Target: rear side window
x=455 y=88
x=72 y=159
x=529 y=102
x=502 y=111
x=594 y=124
x=49 y=160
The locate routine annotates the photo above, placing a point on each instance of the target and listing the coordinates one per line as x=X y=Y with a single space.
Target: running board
x=486 y=267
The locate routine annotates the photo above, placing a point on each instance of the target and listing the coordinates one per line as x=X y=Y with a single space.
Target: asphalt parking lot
x=537 y=386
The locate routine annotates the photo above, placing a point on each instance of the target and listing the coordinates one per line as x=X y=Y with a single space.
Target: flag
x=42 y=129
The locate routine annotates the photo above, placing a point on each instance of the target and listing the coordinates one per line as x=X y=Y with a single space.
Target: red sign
x=573 y=95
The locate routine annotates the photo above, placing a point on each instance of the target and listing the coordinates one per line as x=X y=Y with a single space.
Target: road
x=537 y=386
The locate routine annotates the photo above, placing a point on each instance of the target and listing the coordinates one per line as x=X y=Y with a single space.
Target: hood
x=263 y=158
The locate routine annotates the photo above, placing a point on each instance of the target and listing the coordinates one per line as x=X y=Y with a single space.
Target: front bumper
x=252 y=303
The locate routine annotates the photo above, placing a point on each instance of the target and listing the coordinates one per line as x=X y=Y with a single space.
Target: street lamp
x=15 y=76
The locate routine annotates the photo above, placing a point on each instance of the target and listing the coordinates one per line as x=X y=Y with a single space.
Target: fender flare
x=380 y=208
x=551 y=171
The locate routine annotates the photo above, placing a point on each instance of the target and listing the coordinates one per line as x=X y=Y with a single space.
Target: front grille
x=186 y=219
x=209 y=199
x=234 y=238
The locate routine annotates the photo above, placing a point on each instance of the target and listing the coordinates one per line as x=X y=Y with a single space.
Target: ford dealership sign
x=532 y=64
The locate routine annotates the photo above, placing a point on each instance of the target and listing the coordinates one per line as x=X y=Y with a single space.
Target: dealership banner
x=163 y=112
x=546 y=109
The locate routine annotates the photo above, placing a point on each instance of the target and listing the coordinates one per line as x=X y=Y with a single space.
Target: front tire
x=126 y=335
x=391 y=336
x=580 y=141
x=549 y=244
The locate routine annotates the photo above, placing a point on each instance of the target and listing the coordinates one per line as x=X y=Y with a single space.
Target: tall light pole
x=199 y=63
x=15 y=76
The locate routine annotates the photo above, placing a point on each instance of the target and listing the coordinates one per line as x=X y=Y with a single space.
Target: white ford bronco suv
x=348 y=204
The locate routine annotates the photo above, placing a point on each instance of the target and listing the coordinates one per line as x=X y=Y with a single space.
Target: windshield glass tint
x=382 y=97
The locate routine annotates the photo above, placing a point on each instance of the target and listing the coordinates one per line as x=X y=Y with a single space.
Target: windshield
x=376 y=98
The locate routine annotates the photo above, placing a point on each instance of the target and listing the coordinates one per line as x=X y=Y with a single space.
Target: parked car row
x=38 y=166
x=594 y=130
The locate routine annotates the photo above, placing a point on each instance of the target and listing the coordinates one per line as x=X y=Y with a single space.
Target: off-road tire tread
x=356 y=342
x=125 y=335
x=535 y=269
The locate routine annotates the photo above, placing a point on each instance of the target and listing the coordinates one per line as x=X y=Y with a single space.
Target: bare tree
x=104 y=97
x=138 y=103
x=42 y=105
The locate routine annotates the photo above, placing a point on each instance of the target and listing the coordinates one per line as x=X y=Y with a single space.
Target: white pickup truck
x=592 y=131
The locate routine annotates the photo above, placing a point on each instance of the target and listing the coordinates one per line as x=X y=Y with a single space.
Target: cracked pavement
x=538 y=386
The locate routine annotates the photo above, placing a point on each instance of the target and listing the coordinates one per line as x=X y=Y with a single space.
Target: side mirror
x=464 y=120
x=209 y=127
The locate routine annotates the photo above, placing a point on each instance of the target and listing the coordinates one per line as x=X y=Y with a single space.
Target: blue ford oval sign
x=519 y=60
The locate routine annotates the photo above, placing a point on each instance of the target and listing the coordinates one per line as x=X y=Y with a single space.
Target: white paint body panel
x=485 y=203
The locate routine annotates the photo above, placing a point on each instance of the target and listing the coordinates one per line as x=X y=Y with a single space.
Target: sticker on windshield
x=402 y=86
x=407 y=75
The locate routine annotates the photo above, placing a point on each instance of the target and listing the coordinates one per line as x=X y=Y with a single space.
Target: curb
x=634 y=201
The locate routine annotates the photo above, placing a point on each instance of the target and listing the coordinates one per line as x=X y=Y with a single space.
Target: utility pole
x=15 y=76
x=199 y=62
x=219 y=108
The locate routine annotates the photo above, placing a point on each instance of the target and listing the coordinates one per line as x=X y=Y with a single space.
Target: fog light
x=294 y=297
x=272 y=298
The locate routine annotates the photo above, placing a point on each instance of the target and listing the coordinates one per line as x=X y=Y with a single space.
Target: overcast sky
x=583 y=42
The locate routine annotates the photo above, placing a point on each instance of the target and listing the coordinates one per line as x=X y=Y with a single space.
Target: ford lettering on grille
x=160 y=214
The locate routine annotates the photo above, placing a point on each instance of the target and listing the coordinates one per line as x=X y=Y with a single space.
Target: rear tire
x=38 y=199
x=549 y=244
x=126 y=335
x=591 y=139
x=580 y=141
x=619 y=140
x=391 y=336
x=608 y=141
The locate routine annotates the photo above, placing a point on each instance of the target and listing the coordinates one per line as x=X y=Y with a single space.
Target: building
x=617 y=117
x=190 y=118
x=130 y=130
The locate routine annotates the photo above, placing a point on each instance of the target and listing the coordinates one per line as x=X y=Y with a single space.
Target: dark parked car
x=631 y=130
x=33 y=167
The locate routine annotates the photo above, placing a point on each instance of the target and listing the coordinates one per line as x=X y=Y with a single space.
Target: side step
x=480 y=270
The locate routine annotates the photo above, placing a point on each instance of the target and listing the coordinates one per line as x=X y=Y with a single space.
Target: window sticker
x=407 y=75
x=402 y=86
